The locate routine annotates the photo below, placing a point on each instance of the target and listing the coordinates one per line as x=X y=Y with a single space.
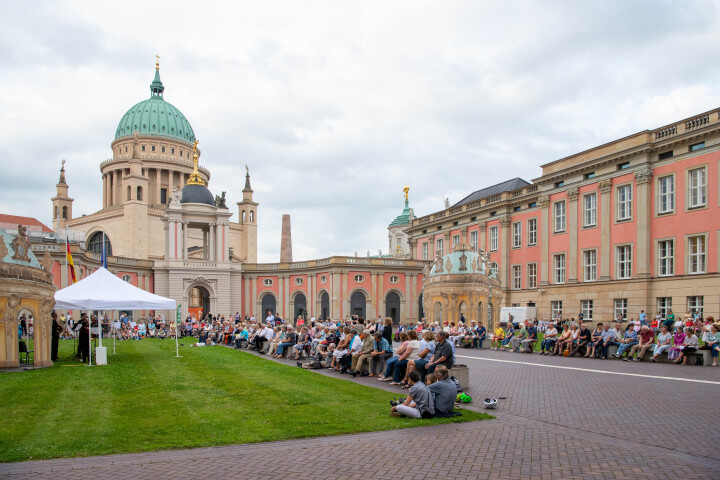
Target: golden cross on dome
x=157 y=61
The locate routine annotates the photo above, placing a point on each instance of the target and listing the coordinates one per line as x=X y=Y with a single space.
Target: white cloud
x=336 y=106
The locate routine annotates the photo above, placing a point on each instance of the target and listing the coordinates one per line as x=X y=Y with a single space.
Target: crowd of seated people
x=664 y=334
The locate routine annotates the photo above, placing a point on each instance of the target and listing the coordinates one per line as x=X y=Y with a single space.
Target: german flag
x=68 y=257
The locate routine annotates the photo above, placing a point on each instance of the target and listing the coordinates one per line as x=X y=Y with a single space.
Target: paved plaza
x=568 y=418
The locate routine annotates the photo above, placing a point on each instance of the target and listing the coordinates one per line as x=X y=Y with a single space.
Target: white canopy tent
x=104 y=291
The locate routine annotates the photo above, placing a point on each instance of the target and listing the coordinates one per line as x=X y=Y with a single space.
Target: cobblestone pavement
x=568 y=418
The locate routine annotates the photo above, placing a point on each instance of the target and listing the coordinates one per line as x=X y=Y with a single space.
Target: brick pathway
x=556 y=423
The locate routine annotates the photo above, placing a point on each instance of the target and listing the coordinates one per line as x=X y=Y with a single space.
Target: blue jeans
x=282 y=347
x=714 y=353
x=477 y=342
x=605 y=348
x=625 y=346
x=420 y=367
x=400 y=366
x=390 y=366
x=548 y=344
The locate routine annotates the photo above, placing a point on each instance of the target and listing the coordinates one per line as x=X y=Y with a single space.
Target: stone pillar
x=481 y=236
x=254 y=295
x=373 y=294
x=381 y=294
x=285 y=241
x=212 y=244
x=344 y=297
x=505 y=251
x=105 y=190
x=606 y=215
x=171 y=181
x=413 y=246
x=185 y=240
x=543 y=202
x=643 y=209
x=572 y=228
x=288 y=313
x=158 y=186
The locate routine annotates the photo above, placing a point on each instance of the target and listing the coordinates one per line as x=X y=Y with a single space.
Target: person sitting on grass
x=162 y=333
x=390 y=364
x=595 y=341
x=630 y=338
x=382 y=351
x=583 y=339
x=546 y=347
x=663 y=342
x=690 y=344
x=419 y=402
x=444 y=392
x=496 y=341
x=646 y=341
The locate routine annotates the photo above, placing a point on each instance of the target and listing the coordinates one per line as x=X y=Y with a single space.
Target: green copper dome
x=404 y=217
x=155 y=116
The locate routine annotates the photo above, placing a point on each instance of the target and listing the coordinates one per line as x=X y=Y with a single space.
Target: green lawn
x=146 y=399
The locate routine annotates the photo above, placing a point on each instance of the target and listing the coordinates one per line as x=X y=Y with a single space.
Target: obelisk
x=285 y=240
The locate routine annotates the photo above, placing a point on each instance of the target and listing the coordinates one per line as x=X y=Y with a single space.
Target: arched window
x=95 y=244
x=64 y=213
x=55 y=213
x=252 y=216
x=129 y=193
x=139 y=193
x=243 y=216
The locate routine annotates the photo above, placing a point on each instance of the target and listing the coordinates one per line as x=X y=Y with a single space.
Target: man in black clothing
x=84 y=340
x=56 y=329
x=584 y=338
x=443 y=353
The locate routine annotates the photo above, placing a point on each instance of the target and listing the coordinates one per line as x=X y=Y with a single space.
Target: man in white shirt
x=354 y=346
x=263 y=336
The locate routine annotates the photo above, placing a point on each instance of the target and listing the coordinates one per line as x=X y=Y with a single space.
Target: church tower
x=61 y=203
x=248 y=215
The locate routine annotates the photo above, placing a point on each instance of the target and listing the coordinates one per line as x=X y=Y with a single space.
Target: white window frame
x=590 y=265
x=268 y=282
x=517 y=234
x=425 y=250
x=666 y=257
x=556 y=309
x=559 y=269
x=696 y=302
x=439 y=247
x=623 y=202
x=666 y=194
x=586 y=307
x=620 y=306
x=697 y=187
x=559 y=216
x=663 y=305
x=517 y=277
x=532 y=275
x=474 y=240
x=623 y=262
x=590 y=209
x=494 y=231
x=696 y=254
x=298 y=281
x=359 y=278
x=532 y=231
x=455 y=240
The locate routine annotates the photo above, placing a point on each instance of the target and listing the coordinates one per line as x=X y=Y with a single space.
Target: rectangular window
x=665 y=155
x=664 y=305
x=623 y=166
x=696 y=188
x=556 y=308
x=532 y=275
x=588 y=176
x=559 y=270
x=163 y=196
x=590 y=210
x=590 y=265
x=696 y=254
x=623 y=201
x=172 y=151
x=517 y=234
x=559 y=184
x=620 y=308
x=532 y=231
x=666 y=258
x=474 y=241
x=695 y=305
x=666 y=194
x=456 y=239
x=623 y=256
x=697 y=146
x=559 y=216
x=493 y=238
x=439 y=247
x=586 y=307
x=517 y=276
x=425 y=247
x=153 y=148
x=163 y=149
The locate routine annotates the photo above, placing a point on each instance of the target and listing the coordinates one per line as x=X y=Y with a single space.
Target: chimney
x=285 y=240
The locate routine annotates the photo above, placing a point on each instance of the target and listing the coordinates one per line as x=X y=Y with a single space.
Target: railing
x=394 y=262
x=299 y=265
x=359 y=261
x=49 y=248
x=325 y=261
x=126 y=261
x=697 y=122
x=267 y=266
x=665 y=132
x=531 y=188
x=493 y=199
x=198 y=264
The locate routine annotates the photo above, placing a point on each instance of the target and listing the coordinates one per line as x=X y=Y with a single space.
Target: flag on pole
x=68 y=257
x=104 y=253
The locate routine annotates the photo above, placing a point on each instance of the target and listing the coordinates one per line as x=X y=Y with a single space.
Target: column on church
x=605 y=215
x=185 y=240
x=212 y=244
x=158 y=186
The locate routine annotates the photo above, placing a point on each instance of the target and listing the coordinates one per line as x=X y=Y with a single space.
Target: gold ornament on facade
x=195 y=178
x=406 y=189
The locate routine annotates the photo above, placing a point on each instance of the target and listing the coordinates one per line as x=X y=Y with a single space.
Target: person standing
x=84 y=340
x=56 y=329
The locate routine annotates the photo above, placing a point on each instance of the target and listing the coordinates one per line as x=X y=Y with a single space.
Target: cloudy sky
x=335 y=105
